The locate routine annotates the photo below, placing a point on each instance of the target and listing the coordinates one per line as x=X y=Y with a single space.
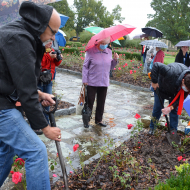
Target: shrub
x=129 y=55
x=70 y=50
x=73 y=44
x=85 y=36
x=179 y=182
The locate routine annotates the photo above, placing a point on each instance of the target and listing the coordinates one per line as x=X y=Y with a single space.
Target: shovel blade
x=172 y=136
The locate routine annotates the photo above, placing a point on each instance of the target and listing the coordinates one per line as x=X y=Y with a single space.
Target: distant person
x=183 y=56
x=159 y=57
x=149 y=56
x=49 y=62
x=144 y=50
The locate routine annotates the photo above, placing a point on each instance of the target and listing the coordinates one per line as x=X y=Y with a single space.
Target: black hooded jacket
x=169 y=77
x=179 y=58
x=21 y=52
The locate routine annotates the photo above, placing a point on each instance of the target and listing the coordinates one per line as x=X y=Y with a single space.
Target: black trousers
x=101 y=97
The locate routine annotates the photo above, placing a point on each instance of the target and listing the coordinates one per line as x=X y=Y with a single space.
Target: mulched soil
x=147 y=159
x=127 y=78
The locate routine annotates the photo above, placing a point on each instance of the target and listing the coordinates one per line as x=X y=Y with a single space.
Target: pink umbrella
x=113 y=32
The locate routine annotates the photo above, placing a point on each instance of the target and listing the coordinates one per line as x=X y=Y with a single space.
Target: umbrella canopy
x=183 y=43
x=113 y=32
x=63 y=20
x=96 y=30
x=9 y=10
x=140 y=36
x=154 y=43
x=151 y=31
x=60 y=38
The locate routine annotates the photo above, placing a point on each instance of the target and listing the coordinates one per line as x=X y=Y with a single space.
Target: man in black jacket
x=21 y=51
x=170 y=79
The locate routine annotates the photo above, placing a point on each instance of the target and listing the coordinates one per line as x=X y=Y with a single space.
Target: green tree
x=92 y=12
x=62 y=7
x=172 y=17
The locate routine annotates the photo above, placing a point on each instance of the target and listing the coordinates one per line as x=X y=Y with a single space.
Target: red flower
x=135 y=71
x=166 y=125
x=114 y=69
x=17 y=177
x=129 y=126
x=137 y=116
x=139 y=142
x=141 y=64
x=126 y=64
x=21 y=161
x=131 y=71
x=75 y=147
x=173 y=133
x=12 y=172
x=138 y=67
x=179 y=158
x=119 y=68
x=131 y=60
x=123 y=65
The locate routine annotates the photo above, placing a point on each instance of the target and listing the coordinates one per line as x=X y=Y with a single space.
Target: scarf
x=181 y=99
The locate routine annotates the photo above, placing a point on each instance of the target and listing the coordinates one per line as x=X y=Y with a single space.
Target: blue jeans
x=144 y=57
x=157 y=113
x=17 y=138
x=47 y=88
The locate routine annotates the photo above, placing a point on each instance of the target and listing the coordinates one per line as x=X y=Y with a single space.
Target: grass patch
x=169 y=59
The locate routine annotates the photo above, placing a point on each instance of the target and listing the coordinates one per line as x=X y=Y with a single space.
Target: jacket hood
x=35 y=17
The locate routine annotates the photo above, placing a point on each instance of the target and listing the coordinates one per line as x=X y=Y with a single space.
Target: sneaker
x=152 y=94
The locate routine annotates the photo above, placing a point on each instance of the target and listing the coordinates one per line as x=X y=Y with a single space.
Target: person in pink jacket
x=159 y=56
x=95 y=74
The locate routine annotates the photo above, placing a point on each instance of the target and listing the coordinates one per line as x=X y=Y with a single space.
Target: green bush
x=85 y=36
x=74 y=50
x=73 y=44
x=179 y=182
x=130 y=55
x=132 y=44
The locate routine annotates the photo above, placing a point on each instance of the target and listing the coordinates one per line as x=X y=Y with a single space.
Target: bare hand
x=116 y=56
x=155 y=85
x=85 y=84
x=53 y=55
x=46 y=99
x=53 y=133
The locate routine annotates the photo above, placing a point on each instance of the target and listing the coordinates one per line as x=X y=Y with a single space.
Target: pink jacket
x=159 y=57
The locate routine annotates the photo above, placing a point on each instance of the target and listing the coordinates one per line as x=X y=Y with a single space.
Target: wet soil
x=141 y=162
x=142 y=80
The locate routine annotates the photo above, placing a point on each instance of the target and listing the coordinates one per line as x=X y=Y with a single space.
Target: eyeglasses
x=53 y=32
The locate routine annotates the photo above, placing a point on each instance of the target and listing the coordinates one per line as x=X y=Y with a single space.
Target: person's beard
x=46 y=42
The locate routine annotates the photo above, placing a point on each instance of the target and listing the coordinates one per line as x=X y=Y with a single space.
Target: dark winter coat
x=179 y=58
x=21 y=52
x=169 y=77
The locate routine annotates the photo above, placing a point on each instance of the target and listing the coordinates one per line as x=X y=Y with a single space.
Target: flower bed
x=141 y=163
x=127 y=70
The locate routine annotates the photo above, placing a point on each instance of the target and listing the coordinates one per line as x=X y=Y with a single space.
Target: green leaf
x=52 y=167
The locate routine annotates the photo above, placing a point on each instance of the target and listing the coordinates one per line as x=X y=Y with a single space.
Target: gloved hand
x=166 y=110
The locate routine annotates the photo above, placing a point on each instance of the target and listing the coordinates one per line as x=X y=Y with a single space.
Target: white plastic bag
x=81 y=101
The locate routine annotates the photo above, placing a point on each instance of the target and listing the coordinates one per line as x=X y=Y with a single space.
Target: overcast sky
x=134 y=11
